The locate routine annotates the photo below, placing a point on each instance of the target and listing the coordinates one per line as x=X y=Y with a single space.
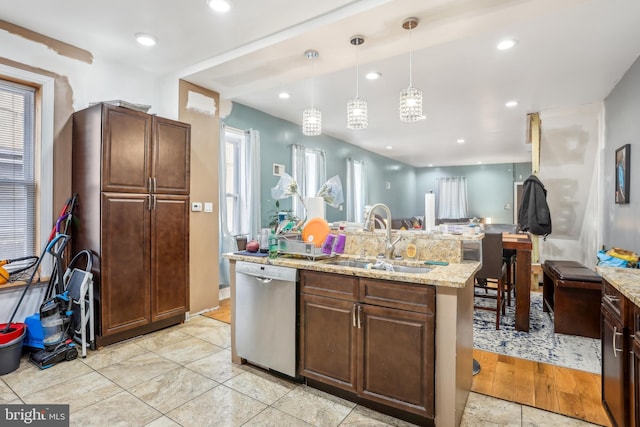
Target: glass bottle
x=273 y=245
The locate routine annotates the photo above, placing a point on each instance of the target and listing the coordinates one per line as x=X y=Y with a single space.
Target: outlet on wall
x=387 y=185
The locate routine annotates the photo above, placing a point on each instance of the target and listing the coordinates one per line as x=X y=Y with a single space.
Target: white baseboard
x=224 y=293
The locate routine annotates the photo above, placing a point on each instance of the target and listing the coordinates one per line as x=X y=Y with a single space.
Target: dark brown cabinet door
x=328 y=341
x=614 y=359
x=396 y=365
x=124 y=262
x=169 y=256
x=171 y=156
x=636 y=377
x=126 y=150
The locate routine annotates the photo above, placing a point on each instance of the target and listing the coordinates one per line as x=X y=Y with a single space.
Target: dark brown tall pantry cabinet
x=131 y=174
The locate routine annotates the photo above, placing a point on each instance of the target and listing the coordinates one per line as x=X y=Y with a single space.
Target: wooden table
x=522 y=245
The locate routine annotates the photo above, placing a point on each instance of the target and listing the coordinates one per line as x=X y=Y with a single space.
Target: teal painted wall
x=276 y=138
x=490 y=187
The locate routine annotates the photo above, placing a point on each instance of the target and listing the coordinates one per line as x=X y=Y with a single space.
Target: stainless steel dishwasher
x=266 y=315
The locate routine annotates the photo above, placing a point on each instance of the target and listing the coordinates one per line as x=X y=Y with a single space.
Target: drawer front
x=613 y=300
x=418 y=298
x=329 y=285
x=636 y=323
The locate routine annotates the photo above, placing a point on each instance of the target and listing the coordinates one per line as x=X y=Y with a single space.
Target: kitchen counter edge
x=626 y=280
x=454 y=275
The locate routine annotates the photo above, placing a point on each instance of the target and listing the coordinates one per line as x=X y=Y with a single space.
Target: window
x=356 y=194
x=309 y=171
x=233 y=166
x=18 y=187
x=26 y=169
x=452 y=195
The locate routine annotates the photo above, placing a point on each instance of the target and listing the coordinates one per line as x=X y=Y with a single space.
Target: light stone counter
x=454 y=275
x=626 y=280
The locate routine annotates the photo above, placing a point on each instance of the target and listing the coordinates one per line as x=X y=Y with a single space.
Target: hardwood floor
x=223 y=313
x=562 y=390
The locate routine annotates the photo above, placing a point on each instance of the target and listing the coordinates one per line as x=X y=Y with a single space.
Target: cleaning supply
x=273 y=245
x=411 y=249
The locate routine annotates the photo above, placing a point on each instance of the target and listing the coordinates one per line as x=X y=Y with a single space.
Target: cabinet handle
x=149 y=200
x=155 y=185
x=149 y=184
x=359 y=313
x=155 y=201
x=616 y=334
x=610 y=298
x=355 y=307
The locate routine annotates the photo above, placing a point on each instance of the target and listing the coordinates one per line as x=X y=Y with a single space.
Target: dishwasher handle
x=264 y=280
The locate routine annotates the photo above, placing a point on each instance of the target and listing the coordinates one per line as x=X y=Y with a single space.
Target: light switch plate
x=196 y=207
x=278 y=170
x=208 y=207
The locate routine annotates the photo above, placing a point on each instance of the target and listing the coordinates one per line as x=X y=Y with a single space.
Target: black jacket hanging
x=534 y=215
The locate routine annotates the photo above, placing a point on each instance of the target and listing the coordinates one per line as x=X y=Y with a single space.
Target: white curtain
x=452 y=197
x=248 y=171
x=356 y=191
x=308 y=168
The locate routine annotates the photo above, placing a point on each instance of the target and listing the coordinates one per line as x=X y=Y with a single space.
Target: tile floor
x=183 y=376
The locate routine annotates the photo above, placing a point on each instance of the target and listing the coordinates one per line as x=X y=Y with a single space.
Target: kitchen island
x=435 y=307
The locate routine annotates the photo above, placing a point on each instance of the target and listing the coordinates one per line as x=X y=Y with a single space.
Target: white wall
x=570 y=153
x=99 y=81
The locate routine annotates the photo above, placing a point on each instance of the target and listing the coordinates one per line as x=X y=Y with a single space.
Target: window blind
x=18 y=189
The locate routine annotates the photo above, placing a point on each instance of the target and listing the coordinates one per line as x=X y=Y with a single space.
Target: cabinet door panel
x=397 y=360
x=327 y=341
x=171 y=156
x=124 y=287
x=613 y=368
x=169 y=256
x=126 y=150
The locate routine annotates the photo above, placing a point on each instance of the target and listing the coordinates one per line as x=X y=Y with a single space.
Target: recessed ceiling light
x=511 y=104
x=389 y=147
x=221 y=6
x=374 y=75
x=145 y=39
x=506 y=44
x=460 y=140
x=284 y=95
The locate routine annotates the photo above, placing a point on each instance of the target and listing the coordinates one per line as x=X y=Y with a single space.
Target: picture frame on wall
x=622 y=173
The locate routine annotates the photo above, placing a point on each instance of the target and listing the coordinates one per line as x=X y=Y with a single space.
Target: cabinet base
x=103 y=340
x=394 y=412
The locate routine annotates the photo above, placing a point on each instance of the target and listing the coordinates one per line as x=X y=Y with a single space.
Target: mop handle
x=33 y=274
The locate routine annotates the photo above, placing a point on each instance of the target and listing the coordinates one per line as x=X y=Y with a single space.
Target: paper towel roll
x=429 y=211
x=315 y=208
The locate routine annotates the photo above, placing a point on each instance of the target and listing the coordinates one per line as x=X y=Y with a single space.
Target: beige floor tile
x=163 y=338
x=122 y=409
x=187 y=349
x=217 y=366
x=365 y=417
x=114 y=353
x=7 y=396
x=260 y=385
x=210 y=330
x=163 y=422
x=221 y=406
x=78 y=392
x=533 y=417
x=130 y=372
x=271 y=417
x=28 y=379
x=483 y=410
x=172 y=389
x=314 y=406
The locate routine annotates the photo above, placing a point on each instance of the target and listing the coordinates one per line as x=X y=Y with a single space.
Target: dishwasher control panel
x=267 y=271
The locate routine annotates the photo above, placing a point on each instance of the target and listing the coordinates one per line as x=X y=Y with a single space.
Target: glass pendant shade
x=411 y=105
x=311 y=122
x=357 y=116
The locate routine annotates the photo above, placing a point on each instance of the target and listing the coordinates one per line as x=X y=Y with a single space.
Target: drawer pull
x=611 y=299
x=359 y=314
x=616 y=334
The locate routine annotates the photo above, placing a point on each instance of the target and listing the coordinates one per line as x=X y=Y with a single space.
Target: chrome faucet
x=389 y=246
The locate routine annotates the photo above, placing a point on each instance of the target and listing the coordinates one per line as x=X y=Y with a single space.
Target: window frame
x=43 y=168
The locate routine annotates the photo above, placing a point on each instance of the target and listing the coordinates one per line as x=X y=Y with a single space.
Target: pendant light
x=411 y=97
x=357 y=116
x=311 y=117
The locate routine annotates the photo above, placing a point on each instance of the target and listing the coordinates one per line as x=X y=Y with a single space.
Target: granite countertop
x=626 y=280
x=454 y=275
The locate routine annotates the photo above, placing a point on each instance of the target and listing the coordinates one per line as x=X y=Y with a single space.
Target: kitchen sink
x=364 y=264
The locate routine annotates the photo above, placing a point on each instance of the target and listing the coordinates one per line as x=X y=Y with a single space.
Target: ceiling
x=568 y=53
